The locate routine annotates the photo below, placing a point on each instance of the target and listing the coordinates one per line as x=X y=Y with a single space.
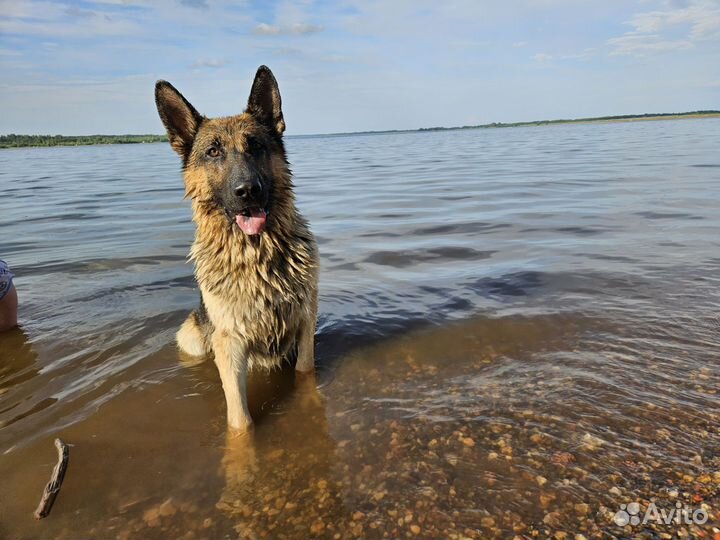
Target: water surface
x=518 y=333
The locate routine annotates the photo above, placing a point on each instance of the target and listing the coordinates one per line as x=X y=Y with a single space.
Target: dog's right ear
x=180 y=118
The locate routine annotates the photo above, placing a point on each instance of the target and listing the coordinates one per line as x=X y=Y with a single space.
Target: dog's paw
x=239 y=466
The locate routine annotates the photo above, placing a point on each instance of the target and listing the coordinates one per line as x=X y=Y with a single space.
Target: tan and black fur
x=258 y=292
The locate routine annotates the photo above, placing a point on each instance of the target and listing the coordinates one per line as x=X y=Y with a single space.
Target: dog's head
x=235 y=164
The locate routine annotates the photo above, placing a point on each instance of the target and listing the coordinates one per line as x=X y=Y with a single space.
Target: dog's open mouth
x=252 y=220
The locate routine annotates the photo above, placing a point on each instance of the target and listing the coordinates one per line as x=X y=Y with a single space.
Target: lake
x=519 y=333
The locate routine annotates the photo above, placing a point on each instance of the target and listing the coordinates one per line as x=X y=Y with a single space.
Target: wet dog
x=256 y=260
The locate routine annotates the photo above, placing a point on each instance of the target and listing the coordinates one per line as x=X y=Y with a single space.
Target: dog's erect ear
x=265 y=103
x=180 y=118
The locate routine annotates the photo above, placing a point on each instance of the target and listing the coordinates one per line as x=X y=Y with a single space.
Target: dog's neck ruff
x=229 y=262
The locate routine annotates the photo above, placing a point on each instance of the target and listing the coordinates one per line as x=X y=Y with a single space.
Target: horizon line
x=420 y=129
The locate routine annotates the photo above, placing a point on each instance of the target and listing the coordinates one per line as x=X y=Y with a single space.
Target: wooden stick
x=56 y=479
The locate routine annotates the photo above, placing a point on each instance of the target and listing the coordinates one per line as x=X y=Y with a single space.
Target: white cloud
x=30 y=17
x=27 y=8
x=116 y=18
x=644 y=44
x=703 y=17
x=303 y=28
x=542 y=58
x=698 y=21
x=194 y=3
x=123 y=2
x=519 y=44
x=88 y=27
x=264 y=29
x=585 y=54
x=211 y=63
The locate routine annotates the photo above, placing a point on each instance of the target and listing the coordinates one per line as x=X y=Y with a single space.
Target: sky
x=89 y=67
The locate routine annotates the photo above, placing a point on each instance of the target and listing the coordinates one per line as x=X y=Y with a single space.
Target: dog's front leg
x=306 y=339
x=231 y=363
x=306 y=348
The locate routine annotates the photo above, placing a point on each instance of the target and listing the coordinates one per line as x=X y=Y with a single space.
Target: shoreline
x=41 y=141
x=533 y=123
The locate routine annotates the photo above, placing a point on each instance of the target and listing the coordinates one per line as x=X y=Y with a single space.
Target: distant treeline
x=618 y=118
x=15 y=141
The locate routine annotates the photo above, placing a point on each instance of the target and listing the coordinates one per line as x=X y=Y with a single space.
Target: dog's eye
x=252 y=145
x=213 y=152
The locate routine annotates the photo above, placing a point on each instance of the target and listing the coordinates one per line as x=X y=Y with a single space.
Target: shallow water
x=519 y=332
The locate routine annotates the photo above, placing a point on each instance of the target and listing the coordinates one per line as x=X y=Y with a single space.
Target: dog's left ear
x=265 y=103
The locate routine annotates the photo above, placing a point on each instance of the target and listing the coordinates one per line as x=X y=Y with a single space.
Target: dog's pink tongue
x=254 y=223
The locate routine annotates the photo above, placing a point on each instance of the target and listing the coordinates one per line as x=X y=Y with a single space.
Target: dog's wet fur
x=259 y=289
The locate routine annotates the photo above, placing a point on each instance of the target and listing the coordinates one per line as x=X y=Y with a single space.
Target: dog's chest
x=257 y=292
x=243 y=310
x=261 y=308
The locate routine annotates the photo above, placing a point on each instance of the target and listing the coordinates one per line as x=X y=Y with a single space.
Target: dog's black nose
x=249 y=189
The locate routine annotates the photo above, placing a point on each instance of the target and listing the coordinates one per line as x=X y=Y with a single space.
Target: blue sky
x=352 y=65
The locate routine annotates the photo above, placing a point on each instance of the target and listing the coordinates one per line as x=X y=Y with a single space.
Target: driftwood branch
x=56 y=479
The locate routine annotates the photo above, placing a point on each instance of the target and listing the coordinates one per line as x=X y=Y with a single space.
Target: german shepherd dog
x=256 y=260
